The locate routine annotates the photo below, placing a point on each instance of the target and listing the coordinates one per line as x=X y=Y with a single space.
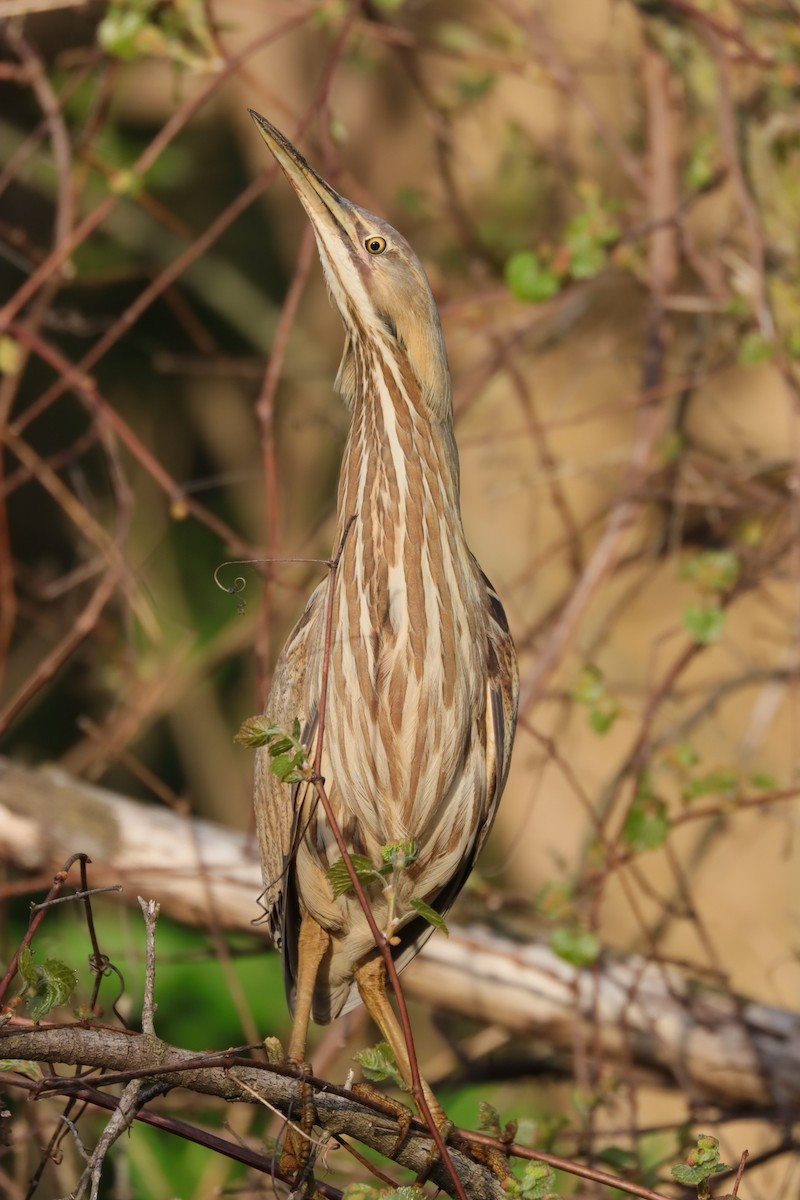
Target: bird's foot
x=491 y=1157
x=395 y=1112
x=298 y=1153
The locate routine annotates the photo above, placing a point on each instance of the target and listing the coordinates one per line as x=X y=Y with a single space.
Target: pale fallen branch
x=714 y=1045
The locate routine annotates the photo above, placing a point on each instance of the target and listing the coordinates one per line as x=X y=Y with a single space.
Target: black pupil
x=374 y=244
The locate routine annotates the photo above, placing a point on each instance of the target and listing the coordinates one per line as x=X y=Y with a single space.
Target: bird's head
x=376 y=280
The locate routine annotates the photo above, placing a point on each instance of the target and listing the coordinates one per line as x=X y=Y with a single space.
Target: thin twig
x=150 y=910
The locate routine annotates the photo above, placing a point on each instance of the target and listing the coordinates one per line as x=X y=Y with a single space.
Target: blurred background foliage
x=605 y=195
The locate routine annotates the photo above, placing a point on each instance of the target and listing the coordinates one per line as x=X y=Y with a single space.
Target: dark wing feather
x=293 y=695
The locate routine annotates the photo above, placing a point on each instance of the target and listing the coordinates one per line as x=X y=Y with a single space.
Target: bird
x=422 y=683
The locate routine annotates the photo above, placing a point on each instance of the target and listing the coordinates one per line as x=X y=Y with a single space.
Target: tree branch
x=144 y=1056
x=717 y=1046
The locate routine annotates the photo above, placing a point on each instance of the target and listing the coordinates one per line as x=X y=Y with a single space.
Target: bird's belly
x=401 y=732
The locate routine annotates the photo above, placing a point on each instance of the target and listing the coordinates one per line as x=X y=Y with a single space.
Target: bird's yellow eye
x=375 y=244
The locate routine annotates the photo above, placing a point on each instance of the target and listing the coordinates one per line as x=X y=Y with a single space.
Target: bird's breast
x=406 y=699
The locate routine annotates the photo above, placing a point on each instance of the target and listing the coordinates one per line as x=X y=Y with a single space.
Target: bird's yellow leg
x=312 y=945
x=371 y=981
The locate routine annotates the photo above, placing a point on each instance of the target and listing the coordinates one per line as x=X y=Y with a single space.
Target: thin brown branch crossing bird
x=422 y=676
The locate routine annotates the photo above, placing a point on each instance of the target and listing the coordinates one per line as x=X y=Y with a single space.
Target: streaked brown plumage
x=422 y=687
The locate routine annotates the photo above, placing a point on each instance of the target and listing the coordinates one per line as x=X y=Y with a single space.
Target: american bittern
x=422 y=677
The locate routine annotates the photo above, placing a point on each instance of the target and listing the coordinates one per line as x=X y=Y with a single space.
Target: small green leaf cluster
x=338 y=875
x=133 y=29
x=754 y=348
x=569 y=939
x=380 y=1065
x=575 y=945
x=45 y=985
x=582 y=254
x=647 y=822
x=364 y=1191
x=537 y=1183
x=714 y=572
x=701 y=1164
x=592 y=691
x=703 y=622
x=289 y=756
x=396 y=857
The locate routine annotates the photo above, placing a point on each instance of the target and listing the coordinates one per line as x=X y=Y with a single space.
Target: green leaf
x=120 y=31
x=703 y=622
x=601 y=719
x=701 y=1163
x=429 y=914
x=754 y=349
x=488 y=1119
x=714 y=782
x=255 y=731
x=476 y=85
x=590 y=686
x=686 y=755
x=701 y=166
x=529 y=280
x=361 y=1191
x=339 y=877
x=587 y=255
x=378 y=1064
x=46 y=985
x=713 y=570
x=26 y=966
x=580 y=947
x=19 y=1066
x=400 y=854
x=554 y=900
x=289 y=756
x=762 y=779
x=537 y=1182
x=647 y=824
x=288 y=767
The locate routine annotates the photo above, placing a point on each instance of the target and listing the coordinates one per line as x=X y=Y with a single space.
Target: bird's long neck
x=399 y=474
x=406 y=576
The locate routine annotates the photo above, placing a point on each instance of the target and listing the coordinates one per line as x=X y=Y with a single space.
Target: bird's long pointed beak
x=326 y=209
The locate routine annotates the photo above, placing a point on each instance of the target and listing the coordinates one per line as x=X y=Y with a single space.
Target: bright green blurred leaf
x=646 y=825
x=580 y=947
x=713 y=570
x=528 y=279
x=714 y=782
x=590 y=686
x=601 y=719
x=754 y=348
x=703 y=622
